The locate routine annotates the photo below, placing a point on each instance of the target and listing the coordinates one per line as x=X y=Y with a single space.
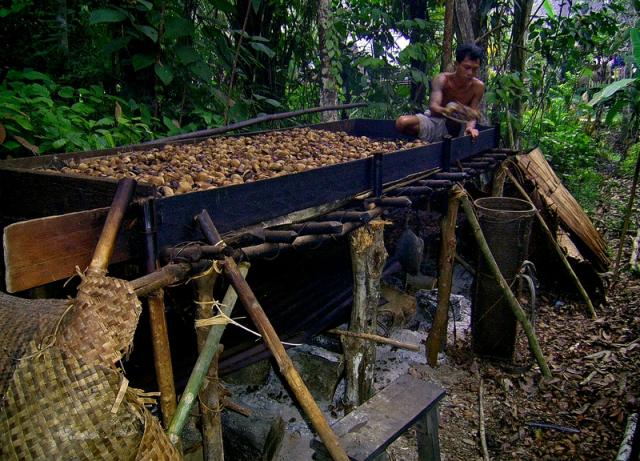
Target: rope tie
x=223 y=319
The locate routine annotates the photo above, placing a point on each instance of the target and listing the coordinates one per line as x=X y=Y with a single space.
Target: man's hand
x=473 y=132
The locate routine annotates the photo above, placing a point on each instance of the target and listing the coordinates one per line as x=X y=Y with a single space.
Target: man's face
x=468 y=68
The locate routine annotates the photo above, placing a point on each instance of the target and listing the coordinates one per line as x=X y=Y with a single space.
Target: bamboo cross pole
x=200 y=369
x=447 y=255
x=495 y=271
x=376 y=338
x=288 y=370
x=556 y=247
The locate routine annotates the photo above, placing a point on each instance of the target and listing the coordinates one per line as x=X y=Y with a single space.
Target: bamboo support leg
x=270 y=337
x=162 y=355
x=201 y=367
x=437 y=335
x=208 y=395
x=556 y=247
x=368 y=256
x=497 y=188
x=511 y=299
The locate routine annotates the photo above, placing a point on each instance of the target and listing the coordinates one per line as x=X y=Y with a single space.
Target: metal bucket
x=506 y=224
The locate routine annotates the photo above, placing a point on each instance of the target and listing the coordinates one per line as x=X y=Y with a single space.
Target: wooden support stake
x=556 y=247
x=202 y=364
x=158 y=321
x=495 y=271
x=288 y=370
x=497 y=188
x=208 y=395
x=162 y=355
x=368 y=256
x=377 y=339
x=437 y=335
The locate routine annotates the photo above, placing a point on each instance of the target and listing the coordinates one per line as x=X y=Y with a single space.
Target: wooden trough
x=54 y=246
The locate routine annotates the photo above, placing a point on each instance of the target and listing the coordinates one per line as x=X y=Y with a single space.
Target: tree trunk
x=522 y=12
x=368 y=256
x=418 y=10
x=464 y=27
x=447 y=40
x=328 y=90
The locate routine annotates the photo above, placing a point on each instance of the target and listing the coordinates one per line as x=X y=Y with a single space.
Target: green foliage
x=628 y=165
x=43 y=117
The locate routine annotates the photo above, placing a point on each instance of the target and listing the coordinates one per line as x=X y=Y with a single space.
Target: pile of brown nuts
x=215 y=162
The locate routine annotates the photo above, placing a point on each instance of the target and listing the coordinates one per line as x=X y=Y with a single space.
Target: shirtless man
x=460 y=86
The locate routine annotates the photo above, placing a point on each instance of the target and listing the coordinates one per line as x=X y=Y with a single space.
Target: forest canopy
x=80 y=75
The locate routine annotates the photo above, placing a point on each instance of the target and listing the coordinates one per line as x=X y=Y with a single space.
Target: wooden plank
x=372 y=427
x=44 y=250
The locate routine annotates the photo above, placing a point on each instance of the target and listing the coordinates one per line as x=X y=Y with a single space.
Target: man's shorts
x=433 y=129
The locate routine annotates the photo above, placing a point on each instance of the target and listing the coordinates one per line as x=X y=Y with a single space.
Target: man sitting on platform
x=454 y=95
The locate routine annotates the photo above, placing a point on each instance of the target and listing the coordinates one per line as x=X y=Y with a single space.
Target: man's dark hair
x=468 y=50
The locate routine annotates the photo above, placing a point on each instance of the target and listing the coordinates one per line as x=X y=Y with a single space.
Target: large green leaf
x=177 y=27
x=149 y=32
x=224 y=6
x=140 y=61
x=610 y=90
x=548 y=8
x=186 y=54
x=202 y=70
x=263 y=48
x=164 y=73
x=104 y=15
x=635 y=44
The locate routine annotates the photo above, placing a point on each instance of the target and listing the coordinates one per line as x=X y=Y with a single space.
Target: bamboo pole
x=270 y=337
x=253 y=121
x=438 y=331
x=162 y=355
x=376 y=338
x=625 y=225
x=208 y=395
x=495 y=271
x=106 y=242
x=556 y=247
x=202 y=364
x=158 y=322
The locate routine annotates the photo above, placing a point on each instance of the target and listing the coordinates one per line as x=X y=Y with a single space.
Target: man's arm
x=478 y=92
x=435 y=98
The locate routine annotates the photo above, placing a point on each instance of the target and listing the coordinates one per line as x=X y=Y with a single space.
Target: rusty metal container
x=506 y=224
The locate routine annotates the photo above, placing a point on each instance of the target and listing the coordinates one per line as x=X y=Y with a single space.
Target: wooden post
x=497 y=188
x=158 y=321
x=288 y=370
x=495 y=271
x=162 y=355
x=556 y=247
x=368 y=256
x=438 y=333
x=211 y=423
